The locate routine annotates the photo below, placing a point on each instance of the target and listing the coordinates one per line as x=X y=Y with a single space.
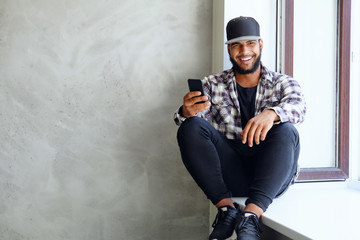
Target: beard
x=240 y=70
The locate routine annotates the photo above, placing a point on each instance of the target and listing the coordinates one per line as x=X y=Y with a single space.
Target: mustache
x=240 y=70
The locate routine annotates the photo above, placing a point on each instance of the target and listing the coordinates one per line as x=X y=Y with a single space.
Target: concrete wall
x=87 y=91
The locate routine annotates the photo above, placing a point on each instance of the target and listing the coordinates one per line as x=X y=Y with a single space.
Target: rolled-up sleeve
x=292 y=106
x=178 y=118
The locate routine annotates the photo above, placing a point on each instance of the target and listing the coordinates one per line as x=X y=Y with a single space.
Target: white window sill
x=326 y=210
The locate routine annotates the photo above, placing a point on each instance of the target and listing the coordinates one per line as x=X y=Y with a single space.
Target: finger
x=244 y=133
x=257 y=135
x=251 y=134
x=206 y=104
x=201 y=106
x=190 y=95
x=191 y=108
x=264 y=132
x=195 y=101
x=200 y=99
x=192 y=98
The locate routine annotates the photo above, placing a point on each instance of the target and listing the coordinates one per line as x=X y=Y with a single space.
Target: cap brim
x=244 y=38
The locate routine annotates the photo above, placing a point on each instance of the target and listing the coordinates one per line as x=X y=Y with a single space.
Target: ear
x=261 y=43
x=228 y=48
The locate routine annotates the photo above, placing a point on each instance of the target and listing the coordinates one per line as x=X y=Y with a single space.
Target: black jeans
x=226 y=168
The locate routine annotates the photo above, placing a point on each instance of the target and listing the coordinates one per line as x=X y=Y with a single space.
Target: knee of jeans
x=189 y=127
x=285 y=131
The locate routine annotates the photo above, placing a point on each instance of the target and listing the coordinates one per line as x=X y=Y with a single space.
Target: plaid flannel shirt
x=275 y=91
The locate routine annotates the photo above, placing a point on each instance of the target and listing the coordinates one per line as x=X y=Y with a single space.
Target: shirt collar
x=265 y=74
x=229 y=76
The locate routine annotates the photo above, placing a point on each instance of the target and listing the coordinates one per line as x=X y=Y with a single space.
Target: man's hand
x=190 y=108
x=258 y=126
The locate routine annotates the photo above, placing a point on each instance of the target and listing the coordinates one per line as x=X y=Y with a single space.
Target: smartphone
x=196 y=85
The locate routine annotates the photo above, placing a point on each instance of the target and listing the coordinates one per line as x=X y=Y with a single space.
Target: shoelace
x=226 y=218
x=250 y=225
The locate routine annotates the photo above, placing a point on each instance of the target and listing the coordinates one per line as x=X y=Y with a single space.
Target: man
x=241 y=141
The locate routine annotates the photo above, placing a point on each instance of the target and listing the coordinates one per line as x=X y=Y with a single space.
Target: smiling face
x=245 y=55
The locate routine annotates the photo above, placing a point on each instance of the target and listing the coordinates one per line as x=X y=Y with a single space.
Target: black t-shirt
x=247 y=103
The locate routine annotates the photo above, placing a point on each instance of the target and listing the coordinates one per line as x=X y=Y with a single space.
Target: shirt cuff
x=178 y=117
x=278 y=111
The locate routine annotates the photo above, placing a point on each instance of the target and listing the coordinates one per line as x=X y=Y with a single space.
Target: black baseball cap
x=242 y=28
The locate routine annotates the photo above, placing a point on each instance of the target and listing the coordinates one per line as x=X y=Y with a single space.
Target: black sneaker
x=224 y=223
x=248 y=227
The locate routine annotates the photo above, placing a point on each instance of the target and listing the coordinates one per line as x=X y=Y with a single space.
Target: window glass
x=315 y=67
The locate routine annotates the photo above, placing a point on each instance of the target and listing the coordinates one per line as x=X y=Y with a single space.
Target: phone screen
x=196 y=85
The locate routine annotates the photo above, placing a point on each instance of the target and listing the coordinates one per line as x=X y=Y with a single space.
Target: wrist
x=274 y=115
x=181 y=112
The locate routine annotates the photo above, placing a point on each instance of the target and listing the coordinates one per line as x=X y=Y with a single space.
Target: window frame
x=341 y=170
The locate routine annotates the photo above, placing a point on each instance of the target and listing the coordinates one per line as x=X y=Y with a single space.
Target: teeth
x=245 y=59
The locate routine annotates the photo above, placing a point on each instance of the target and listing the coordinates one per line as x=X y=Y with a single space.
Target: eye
x=235 y=45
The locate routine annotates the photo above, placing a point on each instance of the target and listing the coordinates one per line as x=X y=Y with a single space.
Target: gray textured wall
x=87 y=91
